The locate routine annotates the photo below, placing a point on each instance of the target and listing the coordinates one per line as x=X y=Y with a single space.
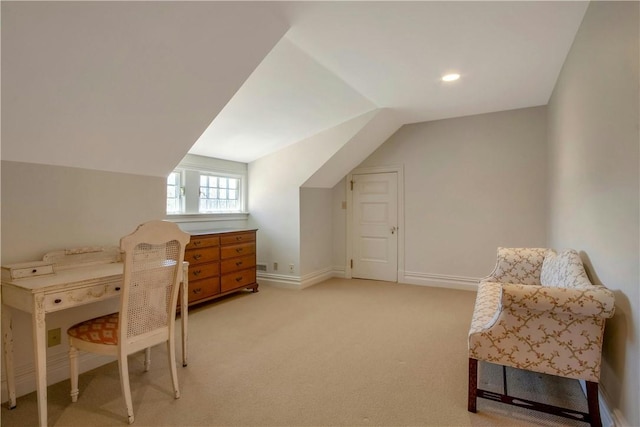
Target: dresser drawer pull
x=57 y=301
x=238 y=238
x=238 y=264
x=239 y=279
x=238 y=250
x=34 y=271
x=197 y=272
x=197 y=291
x=197 y=242
x=197 y=256
x=117 y=288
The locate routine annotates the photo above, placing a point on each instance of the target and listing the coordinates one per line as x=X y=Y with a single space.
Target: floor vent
x=261 y=267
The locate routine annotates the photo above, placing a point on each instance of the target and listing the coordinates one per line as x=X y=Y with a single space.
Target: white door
x=375 y=226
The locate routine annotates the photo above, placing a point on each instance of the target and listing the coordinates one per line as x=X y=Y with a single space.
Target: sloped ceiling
x=131 y=86
x=123 y=86
x=288 y=98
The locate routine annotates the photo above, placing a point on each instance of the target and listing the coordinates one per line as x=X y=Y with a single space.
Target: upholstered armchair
x=539 y=311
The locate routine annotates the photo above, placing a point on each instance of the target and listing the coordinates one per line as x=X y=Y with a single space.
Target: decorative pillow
x=564 y=270
x=518 y=265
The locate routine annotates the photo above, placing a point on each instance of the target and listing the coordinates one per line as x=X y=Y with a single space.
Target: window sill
x=182 y=218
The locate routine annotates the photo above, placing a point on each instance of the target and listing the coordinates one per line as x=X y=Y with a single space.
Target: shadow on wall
x=617 y=334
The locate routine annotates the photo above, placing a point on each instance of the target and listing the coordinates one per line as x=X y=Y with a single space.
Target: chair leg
x=171 y=349
x=594 y=405
x=147 y=359
x=473 y=385
x=73 y=367
x=123 y=364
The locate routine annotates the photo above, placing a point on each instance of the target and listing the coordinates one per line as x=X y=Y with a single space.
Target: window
x=219 y=194
x=174 y=193
x=207 y=187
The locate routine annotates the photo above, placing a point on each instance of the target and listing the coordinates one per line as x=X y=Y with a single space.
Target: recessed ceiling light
x=450 y=77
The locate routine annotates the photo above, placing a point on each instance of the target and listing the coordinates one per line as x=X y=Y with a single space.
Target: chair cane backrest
x=153 y=257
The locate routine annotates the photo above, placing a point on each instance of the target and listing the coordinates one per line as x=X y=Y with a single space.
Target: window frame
x=191 y=168
x=228 y=176
x=181 y=189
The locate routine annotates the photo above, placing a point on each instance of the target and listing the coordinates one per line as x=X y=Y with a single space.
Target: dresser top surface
x=219 y=231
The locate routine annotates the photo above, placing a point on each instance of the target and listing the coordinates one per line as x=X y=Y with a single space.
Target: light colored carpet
x=340 y=353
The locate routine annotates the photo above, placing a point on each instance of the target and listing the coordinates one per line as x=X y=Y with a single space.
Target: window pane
x=219 y=194
x=174 y=193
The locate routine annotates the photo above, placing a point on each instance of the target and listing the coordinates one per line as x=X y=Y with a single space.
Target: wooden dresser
x=220 y=262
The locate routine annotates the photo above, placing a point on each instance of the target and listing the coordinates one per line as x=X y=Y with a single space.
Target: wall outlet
x=275 y=266
x=54 y=336
x=290 y=268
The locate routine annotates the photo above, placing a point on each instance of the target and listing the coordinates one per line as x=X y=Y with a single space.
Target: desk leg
x=7 y=341
x=40 y=353
x=184 y=311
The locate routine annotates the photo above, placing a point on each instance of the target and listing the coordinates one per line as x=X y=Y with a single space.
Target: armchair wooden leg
x=594 y=405
x=473 y=385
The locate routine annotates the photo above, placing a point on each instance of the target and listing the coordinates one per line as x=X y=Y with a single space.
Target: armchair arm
x=595 y=302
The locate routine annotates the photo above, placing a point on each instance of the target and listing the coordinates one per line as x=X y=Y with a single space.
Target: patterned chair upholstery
x=539 y=311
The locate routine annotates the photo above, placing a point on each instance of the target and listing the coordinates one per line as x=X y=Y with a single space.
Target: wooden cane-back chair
x=153 y=256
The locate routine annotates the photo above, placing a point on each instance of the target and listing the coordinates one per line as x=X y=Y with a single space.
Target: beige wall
x=594 y=180
x=471 y=184
x=53 y=207
x=316 y=241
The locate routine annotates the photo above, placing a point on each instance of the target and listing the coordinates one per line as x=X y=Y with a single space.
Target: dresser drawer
x=238 y=279
x=200 y=289
x=203 y=271
x=234 y=238
x=59 y=300
x=237 y=250
x=26 y=269
x=203 y=241
x=200 y=255
x=235 y=264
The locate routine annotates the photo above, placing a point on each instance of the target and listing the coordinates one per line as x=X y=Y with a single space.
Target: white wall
x=594 y=180
x=274 y=196
x=316 y=238
x=382 y=124
x=52 y=207
x=339 y=227
x=471 y=184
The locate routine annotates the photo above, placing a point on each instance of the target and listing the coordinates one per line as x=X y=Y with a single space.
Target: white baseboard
x=57 y=370
x=439 y=280
x=316 y=277
x=296 y=282
x=279 y=280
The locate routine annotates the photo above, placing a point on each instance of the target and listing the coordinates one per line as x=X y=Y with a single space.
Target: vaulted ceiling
x=132 y=86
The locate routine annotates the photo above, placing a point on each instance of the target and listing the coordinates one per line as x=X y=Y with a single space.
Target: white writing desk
x=70 y=286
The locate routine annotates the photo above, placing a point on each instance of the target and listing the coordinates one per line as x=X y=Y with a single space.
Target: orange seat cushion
x=101 y=330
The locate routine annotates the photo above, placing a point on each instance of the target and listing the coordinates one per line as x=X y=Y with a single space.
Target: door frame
x=399 y=170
